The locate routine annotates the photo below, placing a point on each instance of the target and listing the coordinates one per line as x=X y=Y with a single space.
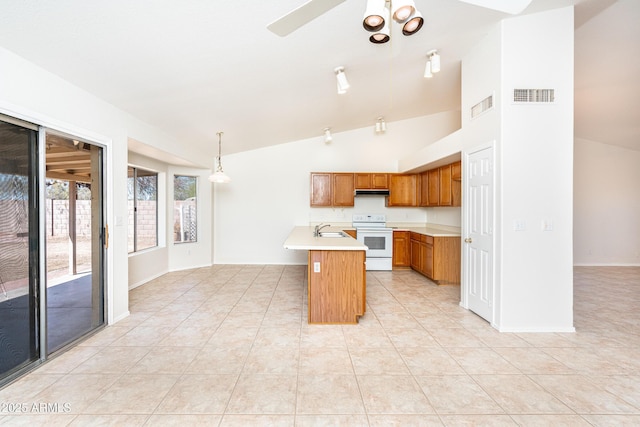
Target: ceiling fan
x=312 y=9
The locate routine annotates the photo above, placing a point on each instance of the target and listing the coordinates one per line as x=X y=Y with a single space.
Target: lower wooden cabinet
x=401 y=249
x=438 y=258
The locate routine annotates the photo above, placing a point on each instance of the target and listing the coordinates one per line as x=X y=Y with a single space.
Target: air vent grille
x=482 y=106
x=534 y=95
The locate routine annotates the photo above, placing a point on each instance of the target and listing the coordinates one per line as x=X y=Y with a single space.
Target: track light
x=427 y=70
x=381 y=126
x=402 y=10
x=413 y=24
x=377 y=18
x=434 y=58
x=374 y=17
x=327 y=135
x=341 y=79
x=382 y=36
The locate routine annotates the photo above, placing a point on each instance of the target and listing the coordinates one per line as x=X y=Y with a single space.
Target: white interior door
x=478 y=239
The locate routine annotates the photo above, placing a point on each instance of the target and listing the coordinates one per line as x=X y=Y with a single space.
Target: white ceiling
x=195 y=67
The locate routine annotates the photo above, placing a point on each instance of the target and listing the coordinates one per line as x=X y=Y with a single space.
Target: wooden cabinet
x=417 y=253
x=441 y=186
x=433 y=196
x=371 y=180
x=438 y=258
x=321 y=189
x=331 y=189
x=456 y=171
x=444 y=175
x=401 y=249
x=342 y=190
x=336 y=286
x=456 y=184
x=350 y=232
x=436 y=187
x=402 y=190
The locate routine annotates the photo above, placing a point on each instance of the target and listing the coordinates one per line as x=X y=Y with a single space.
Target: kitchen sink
x=333 y=234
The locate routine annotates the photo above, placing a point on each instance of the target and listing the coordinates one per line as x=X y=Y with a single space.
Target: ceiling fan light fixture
x=374 y=16
x=413 y=24
x=341 y=78
x=402 y=10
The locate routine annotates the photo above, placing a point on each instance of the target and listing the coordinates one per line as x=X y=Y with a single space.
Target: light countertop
x=428 y=230
x=301 y=238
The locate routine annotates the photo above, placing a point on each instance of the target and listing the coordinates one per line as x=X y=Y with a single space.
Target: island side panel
x=337 y=293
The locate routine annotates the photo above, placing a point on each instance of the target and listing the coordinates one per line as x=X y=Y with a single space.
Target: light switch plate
x=316 y=267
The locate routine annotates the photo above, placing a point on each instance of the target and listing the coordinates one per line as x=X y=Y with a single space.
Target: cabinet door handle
x=468 y=240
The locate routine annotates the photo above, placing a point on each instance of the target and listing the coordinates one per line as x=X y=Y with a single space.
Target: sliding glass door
x=75 y=231
x=19 y=248
x=52 y=234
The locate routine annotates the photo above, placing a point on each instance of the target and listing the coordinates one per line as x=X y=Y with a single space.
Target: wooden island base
x=337 y=292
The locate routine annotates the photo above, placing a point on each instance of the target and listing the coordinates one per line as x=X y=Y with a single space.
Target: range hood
x=371 y=192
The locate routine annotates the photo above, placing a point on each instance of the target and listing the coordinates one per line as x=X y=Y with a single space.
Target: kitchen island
x=336 y=274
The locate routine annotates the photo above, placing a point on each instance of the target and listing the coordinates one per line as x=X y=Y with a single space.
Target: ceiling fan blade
x=508 y=6
x=301 y=15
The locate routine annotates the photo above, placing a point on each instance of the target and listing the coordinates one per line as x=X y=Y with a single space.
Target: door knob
x=468 y=240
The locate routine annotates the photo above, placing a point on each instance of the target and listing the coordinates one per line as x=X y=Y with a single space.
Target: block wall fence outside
x=57 y=224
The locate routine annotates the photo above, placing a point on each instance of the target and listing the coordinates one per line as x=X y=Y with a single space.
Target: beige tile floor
x=230 y=346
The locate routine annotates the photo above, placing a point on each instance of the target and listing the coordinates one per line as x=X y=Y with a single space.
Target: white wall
x=30 y=93
x=606 y=204
x=269 y=191
x=536 y=182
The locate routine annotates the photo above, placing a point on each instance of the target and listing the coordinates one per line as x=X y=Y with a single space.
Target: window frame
x=195 y=198
x=135 y=175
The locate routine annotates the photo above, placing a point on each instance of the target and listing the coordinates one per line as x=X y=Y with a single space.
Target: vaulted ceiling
x=194 y=67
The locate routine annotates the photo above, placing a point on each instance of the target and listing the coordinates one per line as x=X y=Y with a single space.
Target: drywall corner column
x=536 y=176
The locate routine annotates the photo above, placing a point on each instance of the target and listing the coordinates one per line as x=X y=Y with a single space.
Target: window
x=142 y=189
x=184 y=209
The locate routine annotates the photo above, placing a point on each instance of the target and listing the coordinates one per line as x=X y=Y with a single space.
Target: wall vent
x=482 y=106
x=545 y=96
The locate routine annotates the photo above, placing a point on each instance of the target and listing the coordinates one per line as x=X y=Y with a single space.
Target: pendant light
x=219 y=175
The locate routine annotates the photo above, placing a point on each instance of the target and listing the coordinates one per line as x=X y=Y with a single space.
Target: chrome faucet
x=316 y=231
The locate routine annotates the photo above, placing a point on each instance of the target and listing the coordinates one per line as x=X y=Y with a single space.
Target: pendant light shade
x=374 y=18
x=219 y=175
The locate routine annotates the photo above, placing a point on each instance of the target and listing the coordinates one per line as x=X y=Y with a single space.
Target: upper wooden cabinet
x=371 y=180
x=402 y=190
x=343 y=186
x=332 y=189
x=456 y=184
x=321 y=194
x=456 y=171
x=433 y=197
x=445 y=198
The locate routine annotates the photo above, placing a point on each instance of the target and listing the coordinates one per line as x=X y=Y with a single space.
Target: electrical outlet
x=316 y=267
x=519 y=225
x=547 y=225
